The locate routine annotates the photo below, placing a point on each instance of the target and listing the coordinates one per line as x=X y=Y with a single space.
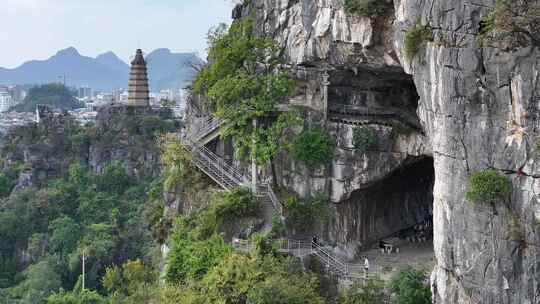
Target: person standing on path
x=366 y=267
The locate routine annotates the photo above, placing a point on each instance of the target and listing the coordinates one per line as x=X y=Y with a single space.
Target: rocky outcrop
x=128 y=135
x=478 y=108
x=40 y=152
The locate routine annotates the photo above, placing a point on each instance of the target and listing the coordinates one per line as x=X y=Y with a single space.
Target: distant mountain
x=112 y=61
x=105 y=72
x=170 y=70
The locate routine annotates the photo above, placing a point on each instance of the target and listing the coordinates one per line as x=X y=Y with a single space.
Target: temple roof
x=139 y=59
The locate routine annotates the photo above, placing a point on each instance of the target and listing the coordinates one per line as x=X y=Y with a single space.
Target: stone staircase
x=229 y=177
x=302 y=249
x=224 y=174
x=215 y=167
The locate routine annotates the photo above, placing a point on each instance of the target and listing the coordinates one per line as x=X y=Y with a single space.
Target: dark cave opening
x=385 y=89
x=389 y=208
x=383 y=96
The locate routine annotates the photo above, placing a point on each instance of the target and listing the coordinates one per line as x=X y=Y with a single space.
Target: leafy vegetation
x=512 y=23
x=372 y=292
x=71 y=211
x=368 y=8
x=177 y=166
x=238 y=203
x=410 y=286
x=364 y=139
x=81 y=212
x=302 y=215
x=197 y=242
x=415 y=39
x=488 y=186
x=204 y=268
x=56 y=95
x=312 y=147
x=244 y=83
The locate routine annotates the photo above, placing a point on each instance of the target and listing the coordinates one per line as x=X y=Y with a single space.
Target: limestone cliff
x=125 y=135
x=470 y=108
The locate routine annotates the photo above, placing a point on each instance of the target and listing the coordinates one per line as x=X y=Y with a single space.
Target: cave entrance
x=373 y=94
x=397 y=210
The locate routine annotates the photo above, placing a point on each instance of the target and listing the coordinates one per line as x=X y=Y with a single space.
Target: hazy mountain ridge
x=105 y=72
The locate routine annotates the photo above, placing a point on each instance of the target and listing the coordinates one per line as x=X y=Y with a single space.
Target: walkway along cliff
x=442 y=109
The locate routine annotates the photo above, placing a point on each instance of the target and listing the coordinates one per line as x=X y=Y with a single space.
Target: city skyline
x=123 y=27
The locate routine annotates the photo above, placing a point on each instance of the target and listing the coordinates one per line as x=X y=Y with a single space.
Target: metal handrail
x=209 y=126
x=231 y=171
x=273 y=198
x=323 y=254
x=206 y=156
x=301 y=248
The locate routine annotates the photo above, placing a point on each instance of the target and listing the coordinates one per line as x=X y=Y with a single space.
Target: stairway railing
x=301 y=248
x=275 y=201
x=226 y=175
x=215 y=167
x=208 y=126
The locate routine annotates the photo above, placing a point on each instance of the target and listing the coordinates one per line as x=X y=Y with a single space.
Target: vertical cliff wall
x=478 y=108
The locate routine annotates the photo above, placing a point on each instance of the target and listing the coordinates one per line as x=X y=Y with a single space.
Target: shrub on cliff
x=302 y=215
x=515 y=23
x=409 y=286
x=364 y=139
x=488 y=186
x=312 y=147
x=367 y=8
x=415 y=39
x=238 y=203
x=371 y=292
x=178 y=169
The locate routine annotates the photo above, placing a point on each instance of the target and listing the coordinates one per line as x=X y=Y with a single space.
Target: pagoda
x=138 y=82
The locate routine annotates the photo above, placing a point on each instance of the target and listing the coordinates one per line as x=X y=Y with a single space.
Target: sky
x=37 y=29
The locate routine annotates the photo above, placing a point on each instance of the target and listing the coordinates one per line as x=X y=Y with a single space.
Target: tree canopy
x=245 y=81
x=55 y=95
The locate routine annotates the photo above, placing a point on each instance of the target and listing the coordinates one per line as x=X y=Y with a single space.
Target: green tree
x=279 y=289
x=245 y=82
x=134 y=282
x=55 y=95
x=98 y=245
x=190 y=258
x=313 y=147
x=5 y=185
x=244 y=279
x=65 y=234
x=40 y=280
x=409 y=286
x=238 y=203
x=302 y=215
x=113 y=179
x=372 y=292
x=178 y=169
x=76 y=297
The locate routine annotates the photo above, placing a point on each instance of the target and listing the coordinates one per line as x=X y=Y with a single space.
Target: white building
x=85 y=92
x=6 y=101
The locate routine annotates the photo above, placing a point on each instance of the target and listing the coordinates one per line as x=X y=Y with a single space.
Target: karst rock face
x=478 y=108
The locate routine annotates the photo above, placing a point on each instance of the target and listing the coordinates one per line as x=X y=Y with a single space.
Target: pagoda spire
x=138 y=82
